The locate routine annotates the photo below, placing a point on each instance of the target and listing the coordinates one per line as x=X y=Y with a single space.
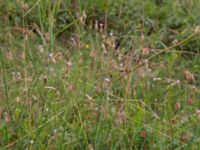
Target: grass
x=99 y=74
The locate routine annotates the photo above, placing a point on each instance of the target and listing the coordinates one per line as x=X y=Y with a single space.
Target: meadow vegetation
x=100 y=74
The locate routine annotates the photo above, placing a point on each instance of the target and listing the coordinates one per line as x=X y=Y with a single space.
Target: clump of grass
x=99 y=74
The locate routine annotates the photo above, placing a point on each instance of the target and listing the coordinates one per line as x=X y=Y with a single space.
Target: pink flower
x=198 y=113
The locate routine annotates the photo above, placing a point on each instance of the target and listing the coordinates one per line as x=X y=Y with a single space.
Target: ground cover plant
x=100 y=74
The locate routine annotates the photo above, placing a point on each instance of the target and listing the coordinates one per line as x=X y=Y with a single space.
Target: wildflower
x=87 y=46
x=101 y=25
x=50 y=54
x=177 y=81
x=69 y=63
x=146 y=61
x=31 y=141
x=107 y=80
x=174 y=82
x=198 y=113
x=111 y=34
x=145 y=51
x=157 y=79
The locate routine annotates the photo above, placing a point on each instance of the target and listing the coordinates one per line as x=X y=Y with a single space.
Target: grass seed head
x=143 y=134
x=45 y=79
x=30 y=64
x=197 y=30
x=9 y=55
x=31 y=142
x=190 y=101
x=47 y=37
x=22 y=55
x=177 y=106
x=17 y=99
x=82 y=18
x=121 y=116
x=25 y=7
x=71 y=87
x=145 y=51
x=91 y=147
x=40 y=48
x=106 y=83
x=7 y=117
x=188 y=76
x=93 y=54
x=1 y=112
x=185 y=138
